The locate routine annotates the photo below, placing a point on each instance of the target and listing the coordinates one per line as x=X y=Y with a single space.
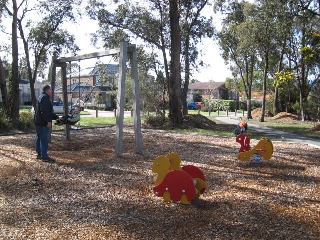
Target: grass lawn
x=222 y=129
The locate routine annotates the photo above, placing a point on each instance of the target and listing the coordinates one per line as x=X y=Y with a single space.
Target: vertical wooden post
x=136 y=99
x=65 y=96
x=121 y=98
x=53 y=74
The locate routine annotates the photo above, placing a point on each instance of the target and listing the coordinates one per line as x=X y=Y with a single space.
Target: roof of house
x=110 y=69
x=207 y=85
x=74 y=87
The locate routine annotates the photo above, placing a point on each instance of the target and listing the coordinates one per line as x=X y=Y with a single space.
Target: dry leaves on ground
x=91 y=194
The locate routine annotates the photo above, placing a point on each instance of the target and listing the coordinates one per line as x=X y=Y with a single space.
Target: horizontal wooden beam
x=131 y=48
x=88 y=56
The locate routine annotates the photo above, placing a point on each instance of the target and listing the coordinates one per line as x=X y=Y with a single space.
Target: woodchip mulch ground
x=91 y=194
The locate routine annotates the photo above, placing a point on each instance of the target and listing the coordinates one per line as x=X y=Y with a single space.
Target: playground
x=92 y=194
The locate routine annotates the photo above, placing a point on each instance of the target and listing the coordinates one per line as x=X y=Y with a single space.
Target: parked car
x=58 y=107
x=195 y=105
x=200 y=104
x=192 y=106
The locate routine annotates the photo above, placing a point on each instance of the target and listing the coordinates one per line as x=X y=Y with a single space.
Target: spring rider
x=263 y=150
x=175 y=183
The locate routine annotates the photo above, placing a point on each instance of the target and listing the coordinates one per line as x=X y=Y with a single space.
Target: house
x=92 y=85
x=24 y=87
x=210 y=90
x=100 y=80
x=25 y=92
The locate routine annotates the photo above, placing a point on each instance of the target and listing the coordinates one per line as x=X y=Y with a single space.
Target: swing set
x=125 y=51
x=86 y=89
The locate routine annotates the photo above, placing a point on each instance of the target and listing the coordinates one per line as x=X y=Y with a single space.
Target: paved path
x=273 y=132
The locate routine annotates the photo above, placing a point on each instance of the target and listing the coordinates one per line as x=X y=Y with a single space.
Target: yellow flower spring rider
x=176 y=183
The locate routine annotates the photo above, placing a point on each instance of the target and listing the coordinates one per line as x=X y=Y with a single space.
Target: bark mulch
x=91 y=194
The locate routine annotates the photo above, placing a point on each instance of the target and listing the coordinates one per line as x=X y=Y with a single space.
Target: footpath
x=273 y=132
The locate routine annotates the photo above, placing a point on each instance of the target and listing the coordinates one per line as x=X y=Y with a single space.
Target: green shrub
x=4 y=123
x=156 y=121
x=26 y=121
x=219 y=104
x=205 y=108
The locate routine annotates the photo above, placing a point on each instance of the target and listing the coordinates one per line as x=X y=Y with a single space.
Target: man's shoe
x=48 y=160
x=38 y=157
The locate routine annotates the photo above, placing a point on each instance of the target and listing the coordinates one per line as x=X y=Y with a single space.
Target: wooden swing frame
x=126 y=50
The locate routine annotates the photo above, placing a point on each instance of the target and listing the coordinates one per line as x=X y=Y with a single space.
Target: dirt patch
x=197 y=121
x=92 y=194
x=256 y=113
x=285 y=116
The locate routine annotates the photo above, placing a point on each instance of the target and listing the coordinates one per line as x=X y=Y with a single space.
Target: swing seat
x=73 y=127
x=72 y=123
x=61 y=123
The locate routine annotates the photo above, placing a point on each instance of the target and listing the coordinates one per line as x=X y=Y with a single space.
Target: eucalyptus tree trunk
x=264 y=87
x=249 y=84
x=276 y=89
x=3 y=87
x=14 y=89
x=32 y=79
x=175 y=114
x=301 y=91
x=186 y=79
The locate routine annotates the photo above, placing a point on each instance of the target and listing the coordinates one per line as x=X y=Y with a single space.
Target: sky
x=216 y=69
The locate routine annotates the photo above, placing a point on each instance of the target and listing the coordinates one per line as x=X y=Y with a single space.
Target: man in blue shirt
x=43 y=122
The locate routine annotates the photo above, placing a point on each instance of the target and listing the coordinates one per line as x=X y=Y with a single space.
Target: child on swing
x=72 y=118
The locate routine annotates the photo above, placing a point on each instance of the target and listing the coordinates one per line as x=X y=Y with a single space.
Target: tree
x=153 y=90
x=40 y=38
x=194 y=26
x=263 y=19
x=175 y=114
x=238 y=48
x=150 y=23
x=133 y=21
x=284 y=82
x=283 y=27
x=311 y=56
x=305 y=22
x=3 y=88
x=14 y=87
x=48 y=37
